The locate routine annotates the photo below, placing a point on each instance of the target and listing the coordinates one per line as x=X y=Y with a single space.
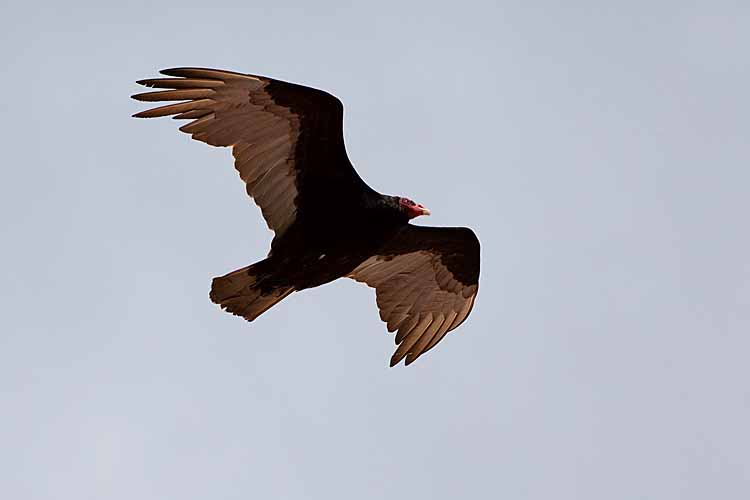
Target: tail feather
x=241 y=294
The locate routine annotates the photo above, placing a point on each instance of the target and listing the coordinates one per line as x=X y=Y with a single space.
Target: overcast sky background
x=601 y=154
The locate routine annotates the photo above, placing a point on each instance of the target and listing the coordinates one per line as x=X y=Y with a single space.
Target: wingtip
x=188 y=71
x=140 y=113
x=207 y=73
x=397 y=358
x=171 y=71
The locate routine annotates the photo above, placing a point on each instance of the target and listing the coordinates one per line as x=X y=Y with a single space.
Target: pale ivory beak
x=425 y=210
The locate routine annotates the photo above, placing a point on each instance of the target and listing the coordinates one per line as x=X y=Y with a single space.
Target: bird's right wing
x=426 y=280
x=287 y=140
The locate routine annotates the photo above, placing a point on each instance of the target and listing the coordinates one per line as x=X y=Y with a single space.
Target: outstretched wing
x=426 y=280
x=287 y=140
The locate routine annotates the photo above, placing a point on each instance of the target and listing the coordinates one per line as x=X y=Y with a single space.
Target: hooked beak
x=423 y=210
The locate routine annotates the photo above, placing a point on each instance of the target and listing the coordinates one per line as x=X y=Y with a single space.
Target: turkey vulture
x=288 y=146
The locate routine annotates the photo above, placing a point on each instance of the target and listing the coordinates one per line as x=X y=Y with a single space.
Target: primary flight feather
x=288 y=146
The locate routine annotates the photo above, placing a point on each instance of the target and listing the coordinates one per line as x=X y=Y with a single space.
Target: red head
x=412 y=209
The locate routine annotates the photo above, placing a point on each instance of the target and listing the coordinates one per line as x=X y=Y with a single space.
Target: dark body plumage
x=288 y=145
x=331 y=245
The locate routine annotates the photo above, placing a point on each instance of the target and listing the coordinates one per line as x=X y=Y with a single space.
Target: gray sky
x=600 y=153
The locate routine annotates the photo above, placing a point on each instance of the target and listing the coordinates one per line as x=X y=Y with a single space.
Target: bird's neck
x=386 y=210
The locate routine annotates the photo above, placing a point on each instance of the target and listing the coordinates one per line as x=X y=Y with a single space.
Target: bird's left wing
x=287 y=139
x=426 y=280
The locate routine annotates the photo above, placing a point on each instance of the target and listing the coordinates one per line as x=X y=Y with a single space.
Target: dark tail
x=246 y=292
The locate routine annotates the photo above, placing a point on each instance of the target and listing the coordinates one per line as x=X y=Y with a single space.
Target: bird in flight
x=288 y=146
